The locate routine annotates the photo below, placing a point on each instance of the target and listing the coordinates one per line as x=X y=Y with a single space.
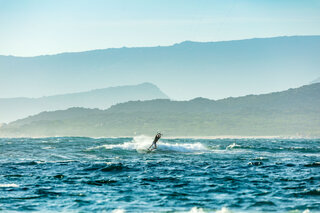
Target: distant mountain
x=186 y=70
x=294 y=112
x=15 y=108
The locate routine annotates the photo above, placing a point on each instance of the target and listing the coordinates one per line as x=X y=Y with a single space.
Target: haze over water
x=106 y=174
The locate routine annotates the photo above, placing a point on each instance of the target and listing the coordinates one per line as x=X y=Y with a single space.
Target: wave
x=9 y=185
x=234 y=145
x=186 y=147
x=274 y=147
x=118 y=211
x=201 y=210
x=142 y=143
x=192 y=210
x=315 y=164
x=196 y=210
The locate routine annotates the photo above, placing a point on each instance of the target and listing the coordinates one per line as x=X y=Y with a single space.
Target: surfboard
x=150 y=150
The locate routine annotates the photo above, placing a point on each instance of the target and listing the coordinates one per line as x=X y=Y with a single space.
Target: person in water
x=156 y=138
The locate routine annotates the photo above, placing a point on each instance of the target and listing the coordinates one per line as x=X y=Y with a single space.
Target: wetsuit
x=158 y=136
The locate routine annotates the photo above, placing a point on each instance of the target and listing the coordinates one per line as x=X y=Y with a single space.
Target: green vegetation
x=294 y=112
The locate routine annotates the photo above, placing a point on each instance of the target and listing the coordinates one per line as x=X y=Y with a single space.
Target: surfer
x=154 y=143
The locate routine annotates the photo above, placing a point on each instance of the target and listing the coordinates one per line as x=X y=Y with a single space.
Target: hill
x=294 y=112
x=15 y=108
x=190 y=69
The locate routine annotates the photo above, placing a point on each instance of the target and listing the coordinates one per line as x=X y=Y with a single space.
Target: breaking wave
x=9 y=185
x=142 y=143
x=185 y=175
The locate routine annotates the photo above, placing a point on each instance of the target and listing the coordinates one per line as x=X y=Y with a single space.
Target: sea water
x=71 y=174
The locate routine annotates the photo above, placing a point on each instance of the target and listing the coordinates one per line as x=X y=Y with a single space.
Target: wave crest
x=142 y=143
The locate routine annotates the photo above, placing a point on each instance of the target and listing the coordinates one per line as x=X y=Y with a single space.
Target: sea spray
x=142 y=143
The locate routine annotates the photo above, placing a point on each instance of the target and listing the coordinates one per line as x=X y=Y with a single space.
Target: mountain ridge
x=294 y=112
x=184 y=70
x=14 y=108
x=156 y=46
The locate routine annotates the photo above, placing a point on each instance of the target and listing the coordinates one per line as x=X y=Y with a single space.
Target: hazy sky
x=35 y=27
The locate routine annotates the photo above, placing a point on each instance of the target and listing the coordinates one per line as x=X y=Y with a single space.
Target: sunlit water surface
x=182 y=175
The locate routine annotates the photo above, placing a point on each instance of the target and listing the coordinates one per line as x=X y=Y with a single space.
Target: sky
x=38 y=27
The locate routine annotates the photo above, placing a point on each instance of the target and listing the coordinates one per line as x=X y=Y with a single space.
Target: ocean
x=78 y=174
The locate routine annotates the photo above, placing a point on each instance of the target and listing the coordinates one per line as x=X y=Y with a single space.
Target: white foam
x=223 y=210
x=12 y=185
x=182 y=147
x=196 y=210
x=142 y=143
x=231 y=146
x=118 y=211
x=47 y=147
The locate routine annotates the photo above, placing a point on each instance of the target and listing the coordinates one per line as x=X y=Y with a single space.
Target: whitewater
x=78 y=174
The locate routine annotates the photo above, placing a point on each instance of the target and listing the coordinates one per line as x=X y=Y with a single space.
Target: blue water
x=183 y=175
